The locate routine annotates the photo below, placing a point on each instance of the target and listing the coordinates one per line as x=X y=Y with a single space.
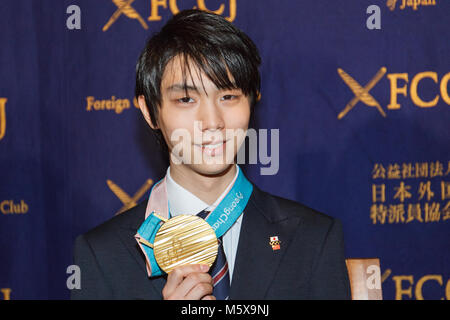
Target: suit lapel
x=126 y=234
x=256 y=262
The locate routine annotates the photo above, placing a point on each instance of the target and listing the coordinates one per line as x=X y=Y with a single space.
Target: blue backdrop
x=363 y=117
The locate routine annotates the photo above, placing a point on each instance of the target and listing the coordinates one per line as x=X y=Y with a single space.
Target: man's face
x=205 y=126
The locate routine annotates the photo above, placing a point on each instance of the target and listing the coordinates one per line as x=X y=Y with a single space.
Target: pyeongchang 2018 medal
x=185 y=239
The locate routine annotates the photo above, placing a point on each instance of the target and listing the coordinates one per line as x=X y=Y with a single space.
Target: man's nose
x=210 y=116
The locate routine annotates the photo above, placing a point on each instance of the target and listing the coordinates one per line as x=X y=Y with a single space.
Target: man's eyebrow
x=181 y=87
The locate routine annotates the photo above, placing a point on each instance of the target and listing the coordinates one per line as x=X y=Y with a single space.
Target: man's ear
x=145 y=112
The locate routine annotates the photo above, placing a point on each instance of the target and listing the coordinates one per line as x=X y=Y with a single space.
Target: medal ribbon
x=220 y=219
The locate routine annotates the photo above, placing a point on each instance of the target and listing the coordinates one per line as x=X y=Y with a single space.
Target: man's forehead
x=181 y=76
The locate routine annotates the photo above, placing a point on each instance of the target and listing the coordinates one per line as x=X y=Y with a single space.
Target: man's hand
x=189 y=282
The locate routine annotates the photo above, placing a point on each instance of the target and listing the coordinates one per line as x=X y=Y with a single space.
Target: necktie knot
x=203 y=214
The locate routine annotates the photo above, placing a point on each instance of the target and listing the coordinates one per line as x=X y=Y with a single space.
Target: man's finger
x=188 y=286
x=176 y=277
x=199 y=291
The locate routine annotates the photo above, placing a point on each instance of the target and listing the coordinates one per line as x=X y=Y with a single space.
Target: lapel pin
x=275 y=243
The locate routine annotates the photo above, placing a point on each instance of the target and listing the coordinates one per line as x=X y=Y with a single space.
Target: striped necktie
x=219 y=269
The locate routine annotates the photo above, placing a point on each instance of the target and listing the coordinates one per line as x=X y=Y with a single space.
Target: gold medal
x=185 y=239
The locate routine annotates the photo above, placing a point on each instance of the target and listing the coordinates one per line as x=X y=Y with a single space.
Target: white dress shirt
x=181 y=201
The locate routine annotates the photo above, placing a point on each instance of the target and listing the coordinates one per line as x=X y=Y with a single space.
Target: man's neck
x=206 y=187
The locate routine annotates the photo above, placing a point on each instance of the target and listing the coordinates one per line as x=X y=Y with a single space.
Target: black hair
x=214 y=46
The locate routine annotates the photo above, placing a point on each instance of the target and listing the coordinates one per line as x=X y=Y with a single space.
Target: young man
x=197 y=84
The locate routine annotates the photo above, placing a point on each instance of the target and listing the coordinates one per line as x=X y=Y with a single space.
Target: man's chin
x=212 y=169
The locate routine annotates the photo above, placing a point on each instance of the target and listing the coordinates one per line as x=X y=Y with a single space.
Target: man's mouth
x=212 y=149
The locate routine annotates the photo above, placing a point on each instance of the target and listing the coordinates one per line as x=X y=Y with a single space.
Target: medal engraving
x=185 y=240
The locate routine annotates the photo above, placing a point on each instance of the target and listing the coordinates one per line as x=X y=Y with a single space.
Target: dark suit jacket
x=309 y=264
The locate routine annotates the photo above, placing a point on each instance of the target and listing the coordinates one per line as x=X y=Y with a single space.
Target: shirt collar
x=181 y=201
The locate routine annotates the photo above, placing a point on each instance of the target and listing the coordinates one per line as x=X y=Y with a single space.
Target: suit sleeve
x=330 y=278
x=93 y=283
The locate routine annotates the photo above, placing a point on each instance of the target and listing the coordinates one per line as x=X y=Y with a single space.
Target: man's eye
x=186 y=100
x=228 y=97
